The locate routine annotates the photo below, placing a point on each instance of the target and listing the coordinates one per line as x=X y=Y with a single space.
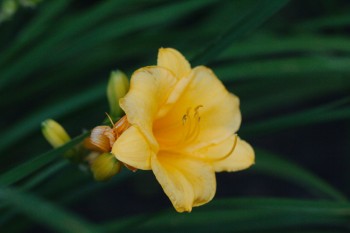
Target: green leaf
x=281 y=168
x=285 y=68
x=33 y=181
x=96 y=36
x=286 y=92
x=27 y=168
x=36 y=27
x=240 y=215
x=82 y=192
x=32 y=122
x=45 y=213
x=309 y=44
x=256 y=17
x=328 y=21
x=320 y=114
x=44 y=174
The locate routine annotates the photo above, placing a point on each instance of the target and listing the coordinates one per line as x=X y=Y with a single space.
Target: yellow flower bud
x=117 y=88
x=105 y=166
x=54 y=133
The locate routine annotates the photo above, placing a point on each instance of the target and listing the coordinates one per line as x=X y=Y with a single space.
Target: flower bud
x=118 y=86
x=54 y=133
x=105 y=166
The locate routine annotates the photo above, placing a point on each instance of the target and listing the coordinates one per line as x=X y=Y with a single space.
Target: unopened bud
x=118 y=86
x=101 y=139
x=54 y=133
x=105 y=166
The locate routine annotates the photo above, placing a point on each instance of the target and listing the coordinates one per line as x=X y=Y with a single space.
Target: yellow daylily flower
x=182 y=125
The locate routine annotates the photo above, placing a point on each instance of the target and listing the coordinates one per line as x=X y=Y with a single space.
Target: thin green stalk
x=36 y=163
x=44 y=174
x=32 y=122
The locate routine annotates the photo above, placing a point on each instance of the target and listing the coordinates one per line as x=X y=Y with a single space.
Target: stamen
x=192 y=129
x=188 y=127
x=196 y=114
x=198 y=107
x=110 y=119
x=184 y=119
x=232 y=149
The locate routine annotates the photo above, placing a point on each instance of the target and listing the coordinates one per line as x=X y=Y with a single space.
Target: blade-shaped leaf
x=281 y=168
x=45 y=213
x=25 y=169
x=256 y=17
x=241 y=215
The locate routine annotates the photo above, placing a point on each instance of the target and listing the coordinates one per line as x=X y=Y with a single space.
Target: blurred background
x=288 y=61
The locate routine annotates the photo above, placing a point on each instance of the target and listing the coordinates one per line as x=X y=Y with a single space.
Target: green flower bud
x=105 y=166
x=118 y=86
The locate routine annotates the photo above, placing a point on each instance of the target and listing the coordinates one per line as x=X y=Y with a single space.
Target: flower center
x=190 y=122
x=183 y=130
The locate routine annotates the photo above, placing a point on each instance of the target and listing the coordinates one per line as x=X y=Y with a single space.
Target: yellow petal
x=174 y=61
x=241 y=158
x=149 y=89
x=133 y=149
x=175 y=94
x=186 y=181
x=220 y=116
x=218 y=151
